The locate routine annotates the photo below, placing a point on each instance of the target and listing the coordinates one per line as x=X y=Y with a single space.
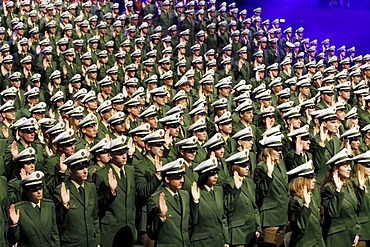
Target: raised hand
x=23 y=173
x=323 y=134
x=62 y=166
x=112 y=180
x=48 y=151
x=355 y=241
x=298 y=145
x=5 y=132
x=195 y=192
x=168 y=138
x=306 y=196
x=14 y=149
x=64 y=194
x=269 y=123
x=270 y=166
x=50 y=88
x=238 y=180
x=361 y=179
x=162 y=205
x=13 y=214
x=337 y=181
x=127 y=123
x=131 y=146
x=157 y=162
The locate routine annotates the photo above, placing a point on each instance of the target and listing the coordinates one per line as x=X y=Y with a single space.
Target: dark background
x=343 y=22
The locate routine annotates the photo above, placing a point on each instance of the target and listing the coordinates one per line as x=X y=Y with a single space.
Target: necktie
x=38 y=210
x=82 y=193
x=177 y=200
x=213 y=194
x=123 y=178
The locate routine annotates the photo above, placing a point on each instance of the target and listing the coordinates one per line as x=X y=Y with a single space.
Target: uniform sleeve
x=145 y=188
x=262 y=181
x=331 y=200
x=154 y=221
x=299 y=214
x=55 y=232
x=105 y=196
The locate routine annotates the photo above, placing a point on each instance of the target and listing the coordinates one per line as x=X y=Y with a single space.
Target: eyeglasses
x=120 y=152
x=278 y=149
x=305 y=138
x=190 y=150
x=177 y=176
x=36 y=188
x=213 y=172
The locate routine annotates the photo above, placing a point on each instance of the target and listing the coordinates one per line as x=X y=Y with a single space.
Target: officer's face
x=188 y=154
x=29 y=167
x=107 y=114
x=219 y=153
x=243 y=171
x=355 y=143
x=153 y=121
x=90 y=131
x=201 y=134
x=107 y=89
x=344 y=171
x=68 y=150
x=212 y=179
x=9 y=115
x=79 y=173
x=331 y=126
x=160 y=100
x=225 y=91
x=246 y=143
x=306 y=144
x=340 y=114
x=328 y=98
x=346 y=94
x=27 y=135
x=138 y=141
x=93 y=75
x=34 y=193
x=92 y=104
x=305 y=90
x=119 y=158
x=311 y=183
x=174 y=130
x=175 y=181
x=226 y=128
x=155 y=149
x=134 y=110
x=103 y=157
x=295 y=122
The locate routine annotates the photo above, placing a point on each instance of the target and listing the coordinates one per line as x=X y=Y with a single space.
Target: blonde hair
x=358 y=168
x=296 y=186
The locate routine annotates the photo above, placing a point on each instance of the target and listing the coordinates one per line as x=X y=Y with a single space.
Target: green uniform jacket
x=4 y=204
x=79 y=224
x=306 y=224
x=33 y=229
x=322 y=155
x=242 y=212
x=363 y=216
x=174 y=231
x=147 y=183
x=340 y=215
x=272 y=194
x=117 y=213
x=190 y=177
x=209 y=220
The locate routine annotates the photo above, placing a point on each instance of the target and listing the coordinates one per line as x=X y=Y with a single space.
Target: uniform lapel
x=31 y=212
x=74 y=191
x=279 y=171
x=206 y=195
x=171 y=201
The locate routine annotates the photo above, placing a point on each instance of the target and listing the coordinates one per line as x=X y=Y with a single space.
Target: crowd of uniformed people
x=186 y=123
